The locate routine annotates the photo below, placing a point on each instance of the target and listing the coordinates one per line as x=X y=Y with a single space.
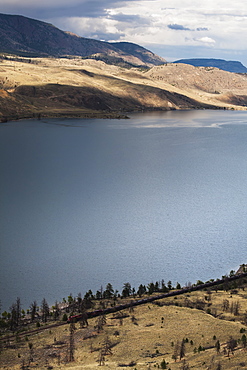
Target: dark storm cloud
x=60 y=8
x=178 y=27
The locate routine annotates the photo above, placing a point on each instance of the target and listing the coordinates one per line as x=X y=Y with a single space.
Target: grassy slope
x=147 y=342
x=67 y=87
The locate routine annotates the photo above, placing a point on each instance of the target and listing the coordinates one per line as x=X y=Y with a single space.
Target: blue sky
x=174 y=29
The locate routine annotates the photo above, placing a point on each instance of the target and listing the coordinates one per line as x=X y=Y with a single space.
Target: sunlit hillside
x=48 y=87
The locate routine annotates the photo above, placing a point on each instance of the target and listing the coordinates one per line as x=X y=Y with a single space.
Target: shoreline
x=67 y=115
x=77 y=114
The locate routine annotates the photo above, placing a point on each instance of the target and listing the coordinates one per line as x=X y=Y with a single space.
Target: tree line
x=41 y=313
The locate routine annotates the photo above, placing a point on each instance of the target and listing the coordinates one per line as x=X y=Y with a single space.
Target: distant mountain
x=28 y=37
x=230 y=66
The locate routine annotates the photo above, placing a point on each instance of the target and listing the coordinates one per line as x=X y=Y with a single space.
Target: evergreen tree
x=30 y=346
x=151 y=288
x=80 y=306
x=71 y=342
x=163 y=364
x=101 y=321
x=33 y=310
x=236 y=308
x=126 y=290
x=157 y=286
x=176 y=351
x=56 y=311
x=18 y=310
x=101 y=359
x=231 y=345
x=141 y=290
x=13 y=317
x=45 y=311
x=182 y=350
x=217 y=346
x=184 y=366
x=218 y=367
x=109 y=291
x=225 y=305
x=106 y=348
x=164 y=288
x=98 y=295
x=244 y=340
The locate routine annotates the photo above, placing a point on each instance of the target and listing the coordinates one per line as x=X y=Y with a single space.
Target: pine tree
x=18 y=310
x=108 y=293
x=126 y=290
x=101 y=358
x=71 y=342
x=185 y=366
x=225 y=305
x=217 y=346
x=244 y=340
x=101 y=321
x=176 y=351
x=13 y=317
x=15 y=314
x=33 y=310
x=45 y=310
x=141 y=290
x=236 y=308
x=106 y=348
x=231 y=345
x=182 y=350
x=56 y=311
x=218 y=367
x=30 y=346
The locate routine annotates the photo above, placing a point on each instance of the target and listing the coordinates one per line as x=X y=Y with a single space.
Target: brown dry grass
x=164 y=87
x=147 y=341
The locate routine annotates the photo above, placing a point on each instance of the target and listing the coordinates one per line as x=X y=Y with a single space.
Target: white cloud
x=213 y=24
x=102 y=29
x=206 y=40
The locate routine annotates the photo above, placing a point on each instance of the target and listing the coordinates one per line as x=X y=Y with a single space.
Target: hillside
x=225 y=65
x=207 y=84
x=29 y=37
x=210 y=326
x=46 y=72
x=77 y=87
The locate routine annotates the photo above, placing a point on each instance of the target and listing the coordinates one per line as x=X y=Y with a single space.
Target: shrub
x=200 y=348
x=163 y=364
x=65 y=317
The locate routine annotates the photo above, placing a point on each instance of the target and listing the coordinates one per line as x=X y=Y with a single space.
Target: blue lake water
x=87 y=202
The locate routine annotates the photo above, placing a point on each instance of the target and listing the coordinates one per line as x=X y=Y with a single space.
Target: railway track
x=118 y=308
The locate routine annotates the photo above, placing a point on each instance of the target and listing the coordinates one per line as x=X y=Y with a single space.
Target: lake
x=87 y=202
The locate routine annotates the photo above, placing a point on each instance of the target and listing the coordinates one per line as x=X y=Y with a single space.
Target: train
x=173 y=293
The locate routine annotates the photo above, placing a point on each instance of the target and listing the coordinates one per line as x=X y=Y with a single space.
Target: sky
x=173 y=29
